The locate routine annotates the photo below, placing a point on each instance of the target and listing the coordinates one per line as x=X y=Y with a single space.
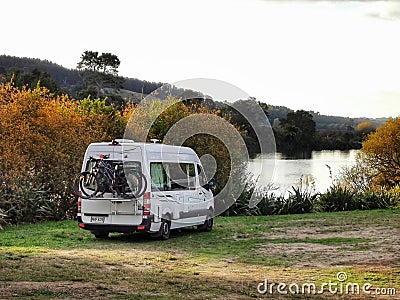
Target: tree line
x=67 y=80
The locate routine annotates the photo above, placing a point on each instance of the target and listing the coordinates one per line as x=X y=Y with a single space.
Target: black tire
x=86 y=185
x=165 y=229
x=101 y=234
x=143 y=187
x=208 y=224
x=132 y=185
x=136 y=184
x=77 y=186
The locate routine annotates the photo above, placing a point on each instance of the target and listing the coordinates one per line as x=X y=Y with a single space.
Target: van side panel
x=184 y=207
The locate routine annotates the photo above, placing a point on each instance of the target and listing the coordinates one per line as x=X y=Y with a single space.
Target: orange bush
x=365 y=127
x=382 y=152
x=42 y=141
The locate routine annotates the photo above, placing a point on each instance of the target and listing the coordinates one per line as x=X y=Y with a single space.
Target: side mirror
x=210 y=184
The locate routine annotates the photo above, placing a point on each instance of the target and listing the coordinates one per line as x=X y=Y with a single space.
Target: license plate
x=97 y=219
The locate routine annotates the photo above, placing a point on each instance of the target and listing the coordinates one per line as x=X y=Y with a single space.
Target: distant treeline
x=295 y=131
x=324 y=122
x=63 y=76
x=67 y=79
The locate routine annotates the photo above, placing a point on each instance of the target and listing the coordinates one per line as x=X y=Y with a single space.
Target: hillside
x=67 y=79
x=135 y=89
x=63 y=76
x=324 y=122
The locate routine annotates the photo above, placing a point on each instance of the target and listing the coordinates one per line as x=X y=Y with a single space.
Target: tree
x=364 y=128
x=298 y=131
x=105 y=63
x=240 y=111
x=32 y=79
x=99 y=72
x=381 y=152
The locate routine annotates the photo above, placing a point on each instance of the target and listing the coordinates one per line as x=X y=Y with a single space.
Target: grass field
x=59 y=260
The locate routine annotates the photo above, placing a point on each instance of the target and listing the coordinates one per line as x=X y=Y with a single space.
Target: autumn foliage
x=42 y=141
x=365 y=127
x=381 y=152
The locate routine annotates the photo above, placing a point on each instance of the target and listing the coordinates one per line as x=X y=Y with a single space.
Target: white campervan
x=169 y=187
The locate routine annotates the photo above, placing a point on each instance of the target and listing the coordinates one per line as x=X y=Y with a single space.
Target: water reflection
x=317 y=169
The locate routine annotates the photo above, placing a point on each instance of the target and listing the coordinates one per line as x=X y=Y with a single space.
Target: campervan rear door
x=97 y=210
x=127 y=211
x=111 y=209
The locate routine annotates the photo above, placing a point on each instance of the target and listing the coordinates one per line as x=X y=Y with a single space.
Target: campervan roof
x=150 y=147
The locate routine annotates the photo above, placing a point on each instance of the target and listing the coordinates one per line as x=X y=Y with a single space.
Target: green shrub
x=300 y=201
x=242 y=207
x=374 y=200
x=336 y=198
x=22 y=202
x=394 y=192
x=270 y=205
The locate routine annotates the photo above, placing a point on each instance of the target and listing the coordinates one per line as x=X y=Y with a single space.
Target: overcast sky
x=334 y=57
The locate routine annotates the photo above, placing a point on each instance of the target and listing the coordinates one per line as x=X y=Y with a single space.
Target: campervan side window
x=157 y=176
x=191 y=175
x=202 y=176
x=172 y=176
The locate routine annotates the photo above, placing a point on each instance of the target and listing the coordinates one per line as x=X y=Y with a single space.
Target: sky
x=332 y=57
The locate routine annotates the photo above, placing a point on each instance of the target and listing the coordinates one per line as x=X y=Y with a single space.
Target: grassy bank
x=58 y=260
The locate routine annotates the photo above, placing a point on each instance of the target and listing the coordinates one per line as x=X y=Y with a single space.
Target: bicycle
x=126 y=182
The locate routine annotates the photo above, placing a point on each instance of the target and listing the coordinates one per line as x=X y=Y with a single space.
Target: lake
x=284 y=172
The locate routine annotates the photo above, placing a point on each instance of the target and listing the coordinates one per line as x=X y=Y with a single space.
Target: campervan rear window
x=135 y=166
x=172 y=176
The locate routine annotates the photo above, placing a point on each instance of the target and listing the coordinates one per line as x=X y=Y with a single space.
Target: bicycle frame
x=104 y=168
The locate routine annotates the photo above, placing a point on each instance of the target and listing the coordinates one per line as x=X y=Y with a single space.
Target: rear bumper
x=144 y=226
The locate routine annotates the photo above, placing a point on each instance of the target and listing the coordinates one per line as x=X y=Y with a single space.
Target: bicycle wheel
x=88 y=185
x=136 y=184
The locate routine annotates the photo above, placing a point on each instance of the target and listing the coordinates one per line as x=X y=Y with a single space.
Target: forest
x=67 y=80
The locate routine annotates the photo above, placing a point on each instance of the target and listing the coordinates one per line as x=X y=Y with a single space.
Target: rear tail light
x=146 y=204
x=79 y=205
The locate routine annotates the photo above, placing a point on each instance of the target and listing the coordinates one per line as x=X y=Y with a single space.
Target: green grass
x=227 y=262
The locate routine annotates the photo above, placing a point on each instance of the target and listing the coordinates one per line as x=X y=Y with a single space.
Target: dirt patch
x=380 y=247
x=373 y=232
x=70 y=290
